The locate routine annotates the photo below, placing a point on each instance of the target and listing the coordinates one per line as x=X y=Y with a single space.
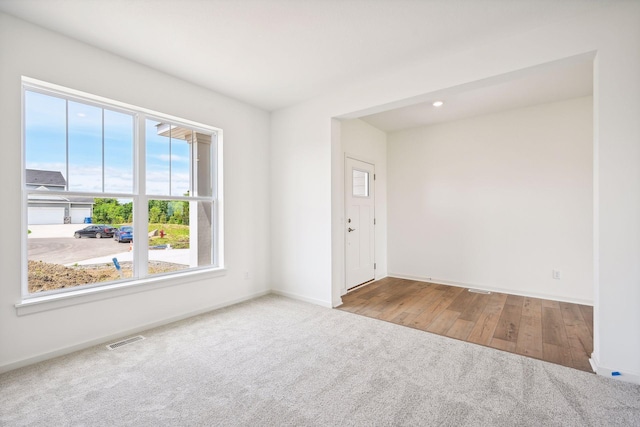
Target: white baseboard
x=112 y=337
x=609 y=373
x=492 y=288
x=292 y=295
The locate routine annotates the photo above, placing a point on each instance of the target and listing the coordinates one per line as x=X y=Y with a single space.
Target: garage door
x=79 y=214
x=45 y=215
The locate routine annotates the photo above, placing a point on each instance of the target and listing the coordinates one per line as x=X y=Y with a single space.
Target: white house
x=54 y=209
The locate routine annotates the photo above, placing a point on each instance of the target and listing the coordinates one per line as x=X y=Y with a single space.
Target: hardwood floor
x=553 y=331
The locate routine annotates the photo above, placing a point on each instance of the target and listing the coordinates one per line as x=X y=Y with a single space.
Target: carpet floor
x=276 y=361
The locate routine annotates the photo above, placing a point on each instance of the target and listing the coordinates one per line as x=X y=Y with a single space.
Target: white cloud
x=119 y=180
x=158 y=182
x=89 y=178
x=172 y=157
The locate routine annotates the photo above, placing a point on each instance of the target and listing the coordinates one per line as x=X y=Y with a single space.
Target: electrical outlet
x=556 y=274
x=246 y=274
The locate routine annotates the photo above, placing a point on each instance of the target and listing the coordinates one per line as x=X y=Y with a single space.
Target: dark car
x=123 y=234
x=95 y=230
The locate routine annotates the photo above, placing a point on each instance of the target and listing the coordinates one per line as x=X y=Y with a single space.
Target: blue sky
x=161 y=159
x=45 y=148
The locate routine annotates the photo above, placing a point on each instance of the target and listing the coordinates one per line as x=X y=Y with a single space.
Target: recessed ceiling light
x=438 y=104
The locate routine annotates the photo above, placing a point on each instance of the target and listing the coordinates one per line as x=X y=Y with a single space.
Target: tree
x=127 y=209
x=111 y=211
x=105 y=211
x=176 y=212
x=156 y=216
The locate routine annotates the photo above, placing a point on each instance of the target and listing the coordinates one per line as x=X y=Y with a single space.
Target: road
x=65 y=250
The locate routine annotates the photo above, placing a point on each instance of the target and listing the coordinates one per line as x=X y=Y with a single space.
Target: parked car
x=123 y=234
x=95 y=230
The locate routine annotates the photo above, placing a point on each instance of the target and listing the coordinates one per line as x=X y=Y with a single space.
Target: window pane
x=360 y=183
x=169 y=236
x=68 y=255
x=168 y=159
x=204 y=241
x=85 y=147
x=158 y=164
x=118 y=152
x=180 y=160
x=170 y=150
x=203 y=164
x=45 y=141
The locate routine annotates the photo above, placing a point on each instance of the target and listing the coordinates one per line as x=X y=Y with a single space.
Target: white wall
x=497 y=202
x=30 y=51
x=305 y=144
x=302 y=200
x=365 y=142
x=300 y=205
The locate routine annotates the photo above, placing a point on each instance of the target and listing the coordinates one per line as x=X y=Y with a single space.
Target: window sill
x=81 y=296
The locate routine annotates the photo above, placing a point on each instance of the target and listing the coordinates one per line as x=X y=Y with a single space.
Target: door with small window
x=359 y=222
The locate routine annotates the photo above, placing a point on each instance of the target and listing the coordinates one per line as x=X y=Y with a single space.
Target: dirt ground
x=45 y=276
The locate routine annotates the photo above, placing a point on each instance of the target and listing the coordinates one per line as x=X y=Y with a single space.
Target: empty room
x=194 y=193
x=488 y=188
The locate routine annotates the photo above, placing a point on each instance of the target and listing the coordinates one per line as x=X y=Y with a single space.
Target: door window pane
x=360 y=183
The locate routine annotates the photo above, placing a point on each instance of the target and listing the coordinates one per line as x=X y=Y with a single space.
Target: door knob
x=351 y=229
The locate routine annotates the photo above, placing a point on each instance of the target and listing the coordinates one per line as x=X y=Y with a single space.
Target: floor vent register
x=119 y=344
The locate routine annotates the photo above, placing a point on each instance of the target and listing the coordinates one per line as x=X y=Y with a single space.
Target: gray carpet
x=275 y=361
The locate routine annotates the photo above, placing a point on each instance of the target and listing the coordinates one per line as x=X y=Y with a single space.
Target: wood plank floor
x=553 y=331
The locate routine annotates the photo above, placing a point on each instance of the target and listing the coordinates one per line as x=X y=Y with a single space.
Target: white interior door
x=359 y=222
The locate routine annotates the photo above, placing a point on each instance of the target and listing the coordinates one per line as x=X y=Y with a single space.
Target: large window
x=114 y=193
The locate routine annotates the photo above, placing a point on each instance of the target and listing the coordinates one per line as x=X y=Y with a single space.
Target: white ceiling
x=275 y=53
x=566 y=79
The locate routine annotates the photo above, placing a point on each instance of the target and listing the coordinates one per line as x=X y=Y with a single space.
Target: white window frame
x=34 y=302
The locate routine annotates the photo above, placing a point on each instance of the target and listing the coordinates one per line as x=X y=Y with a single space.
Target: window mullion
x=217 y=196
x=66 y=138
x=103 y=175
x=141 y=202
x=193 y=205
x=25 y=205
x=170 y=161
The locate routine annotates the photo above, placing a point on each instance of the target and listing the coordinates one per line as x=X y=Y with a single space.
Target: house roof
x=40 y=177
